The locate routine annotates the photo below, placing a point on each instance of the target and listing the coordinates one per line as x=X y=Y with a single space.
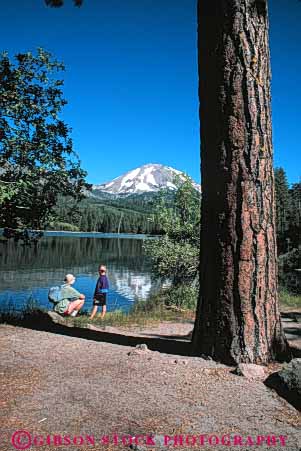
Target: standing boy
x=100 y=293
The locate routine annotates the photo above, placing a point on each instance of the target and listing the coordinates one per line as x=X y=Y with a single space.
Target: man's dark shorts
x=100 y=299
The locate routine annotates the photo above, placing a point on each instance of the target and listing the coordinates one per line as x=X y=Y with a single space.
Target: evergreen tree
x=282 y=208
x=295 y=215
x=238 y=317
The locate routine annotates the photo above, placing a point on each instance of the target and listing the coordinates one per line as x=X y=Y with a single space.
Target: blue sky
x=131 y=79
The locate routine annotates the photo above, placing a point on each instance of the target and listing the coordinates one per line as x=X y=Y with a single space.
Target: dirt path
x=57 y=384
x=291 y=322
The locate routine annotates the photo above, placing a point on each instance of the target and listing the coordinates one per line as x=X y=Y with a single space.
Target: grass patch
x=172 y=304
x=289 y=300
x=144 y=313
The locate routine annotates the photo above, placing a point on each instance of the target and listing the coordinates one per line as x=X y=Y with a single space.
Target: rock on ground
x=251 y=371
x=287 y=382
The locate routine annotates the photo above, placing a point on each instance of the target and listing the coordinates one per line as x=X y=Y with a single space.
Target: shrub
x=63 y=226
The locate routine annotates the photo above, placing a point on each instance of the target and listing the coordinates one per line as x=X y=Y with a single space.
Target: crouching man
x=71 y=300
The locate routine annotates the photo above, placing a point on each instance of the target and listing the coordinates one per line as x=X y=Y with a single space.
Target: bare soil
x=57 y=383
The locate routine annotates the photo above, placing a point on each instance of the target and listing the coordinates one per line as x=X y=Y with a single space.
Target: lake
x=28 y=272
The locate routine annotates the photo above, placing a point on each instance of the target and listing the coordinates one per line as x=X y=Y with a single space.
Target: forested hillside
x=138 y=213
x=127 y=214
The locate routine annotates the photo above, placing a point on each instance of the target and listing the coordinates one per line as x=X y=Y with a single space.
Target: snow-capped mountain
x=145 y=179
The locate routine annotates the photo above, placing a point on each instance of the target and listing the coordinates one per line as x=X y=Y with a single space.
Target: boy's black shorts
x=100 y=299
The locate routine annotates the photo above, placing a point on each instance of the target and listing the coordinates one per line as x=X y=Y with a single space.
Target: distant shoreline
x=61 y=233
x=95 y=234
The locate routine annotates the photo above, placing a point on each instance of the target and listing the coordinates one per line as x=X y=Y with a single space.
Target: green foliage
x=289 y=261
x=36 y=156
x=182 y=296
x=287 y=265
x=180 y=220
x=294 y=232
x=7 y=191
x=173 y=260
x=288 y=299
x=63 y=226
x=282 y=196
x=176 y=254
x=288 y=212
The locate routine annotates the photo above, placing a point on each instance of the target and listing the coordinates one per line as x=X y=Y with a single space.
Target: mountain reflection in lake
x=27 y=272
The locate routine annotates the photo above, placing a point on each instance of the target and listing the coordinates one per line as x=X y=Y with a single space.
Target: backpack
x=54 y=295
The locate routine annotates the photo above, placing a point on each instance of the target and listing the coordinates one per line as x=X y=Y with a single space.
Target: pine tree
x=238 y=318
x=282 y=208
x=295 y=215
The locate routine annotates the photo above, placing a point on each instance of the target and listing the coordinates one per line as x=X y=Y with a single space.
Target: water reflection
x=26 y=271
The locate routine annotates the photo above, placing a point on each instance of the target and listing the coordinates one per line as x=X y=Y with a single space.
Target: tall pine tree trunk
x=238 y=319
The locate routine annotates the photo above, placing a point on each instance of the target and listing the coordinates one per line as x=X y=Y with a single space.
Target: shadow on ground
x=168 y=344
x=178 y=345
x=296 y=316
x=291 y=322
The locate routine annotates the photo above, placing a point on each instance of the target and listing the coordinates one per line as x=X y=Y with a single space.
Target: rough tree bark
x=238 y=319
